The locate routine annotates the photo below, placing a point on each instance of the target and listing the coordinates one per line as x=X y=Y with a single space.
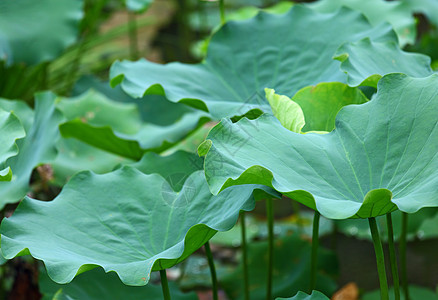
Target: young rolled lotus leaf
x=303 y=296
x=378 y=11
x=90 y=120
x=124 y=221
x=291 y=51
x=365 y=62
x=97 y=285
x=36 y=148
x=24 y=25
x=380 y=157
x=11 y=130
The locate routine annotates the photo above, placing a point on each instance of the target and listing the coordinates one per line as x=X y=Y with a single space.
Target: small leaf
x=10 y=130
x=6 y=174
x=303 y=296
x=288 y=112
x=124 y=221
x=365 y=62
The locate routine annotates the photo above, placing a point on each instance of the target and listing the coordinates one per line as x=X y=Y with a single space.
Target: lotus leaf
x=365 y=62
x=175 y=168
x=415 y=293
x=36 y=148
x=11 y=130
x=303 y=296
x=96 y=285
x=25 y=24
x=381 y=156
x=91 y=120
x=290 y=51
x=378 y=11
x=124 y=221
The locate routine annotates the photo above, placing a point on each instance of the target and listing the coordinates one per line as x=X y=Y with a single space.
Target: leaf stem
x=222 y=11
x=384 y=295
x=244 y=255
x=270 y=215
x=133 y=36
x=315 y=245
x=402 y=247
x=165 y=285
x=393 y=257
x=212 y=270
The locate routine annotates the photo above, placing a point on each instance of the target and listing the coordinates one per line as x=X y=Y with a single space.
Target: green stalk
x=133 y=36
x=402 y=246
x=392 y=257
x=384 y=295
x=212 y=270
x=315 y=244
x=222 y=11
x=164 y=285
x=244 y=256
x=270 y=214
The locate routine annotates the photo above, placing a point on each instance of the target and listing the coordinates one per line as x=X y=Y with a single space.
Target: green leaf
x=74 y=156
x=288 y=112
x=238 y=67
x=291 y=269
x=151 y=107
x=365 y=62
x=303 y=296
x=124 y=221
x=91 y=120
x=96 y=285
x=10 y=130
x=46 y=27
x=321 y=103
x=378 y=11
x=427 y=7
x=380 y=157
x=175 y=168
x=36 y=148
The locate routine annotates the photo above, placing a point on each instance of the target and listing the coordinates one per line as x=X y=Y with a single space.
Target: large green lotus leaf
x=382 y=154
x=175 y=168
x=94 y=108
x=378 y=11
x=153 y=109
x=303 y=296
x=37 y=31
x=291 y=269
x=124 y=221
x=365 y=62
x=74 y=156
x=96 y=285
x=150 y=137
x=91 y=120
x=285 y=52
x=11 y=130
x=36 y=148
